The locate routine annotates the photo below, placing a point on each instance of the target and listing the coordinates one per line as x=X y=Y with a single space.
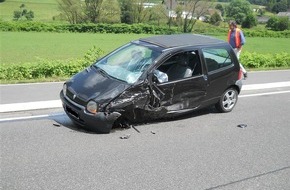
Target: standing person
x=236 y=39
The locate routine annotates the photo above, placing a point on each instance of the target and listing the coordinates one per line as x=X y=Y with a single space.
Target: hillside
x=43 y=10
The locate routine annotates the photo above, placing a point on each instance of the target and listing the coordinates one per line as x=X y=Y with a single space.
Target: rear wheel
x=227 y=101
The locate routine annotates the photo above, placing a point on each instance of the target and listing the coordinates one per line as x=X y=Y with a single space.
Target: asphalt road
x=204 y=150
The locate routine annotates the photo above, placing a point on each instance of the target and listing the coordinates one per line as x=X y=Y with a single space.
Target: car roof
x=179 y=40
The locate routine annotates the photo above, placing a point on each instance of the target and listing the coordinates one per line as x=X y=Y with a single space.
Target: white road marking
x=266 y=86
x=46 y=116
x=30 y=106
x=264 y=94
x=13 y=107
x=42 y=104
x=30 y=117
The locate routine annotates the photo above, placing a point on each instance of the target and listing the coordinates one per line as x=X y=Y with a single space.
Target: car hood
x=91 y=83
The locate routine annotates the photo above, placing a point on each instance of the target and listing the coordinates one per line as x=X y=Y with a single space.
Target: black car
x=155 y=77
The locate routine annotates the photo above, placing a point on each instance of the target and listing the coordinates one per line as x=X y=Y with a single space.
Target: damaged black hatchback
x=155 y=77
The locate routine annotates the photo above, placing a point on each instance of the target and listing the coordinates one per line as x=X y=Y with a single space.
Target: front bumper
x=100 y=122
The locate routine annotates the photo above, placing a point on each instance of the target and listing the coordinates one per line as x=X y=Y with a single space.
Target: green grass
x=265 y=45
x=43 y=10
x=21 y=47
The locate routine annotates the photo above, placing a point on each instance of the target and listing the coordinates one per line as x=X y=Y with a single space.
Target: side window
x=179 y=66
x=216 y=58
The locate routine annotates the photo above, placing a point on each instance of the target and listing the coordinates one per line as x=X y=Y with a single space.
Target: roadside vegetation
x=44 y=41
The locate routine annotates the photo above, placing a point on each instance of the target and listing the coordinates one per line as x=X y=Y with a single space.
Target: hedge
x=256 y=60
x=126 y=28
x=81 y=28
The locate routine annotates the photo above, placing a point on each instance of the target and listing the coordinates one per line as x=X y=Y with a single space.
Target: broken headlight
x=92 y=106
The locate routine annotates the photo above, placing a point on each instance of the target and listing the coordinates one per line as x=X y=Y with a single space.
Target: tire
x=227 y=101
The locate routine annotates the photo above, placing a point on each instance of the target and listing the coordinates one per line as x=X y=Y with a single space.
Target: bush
x=278 y=23
x=267 y=33
x=250 y=21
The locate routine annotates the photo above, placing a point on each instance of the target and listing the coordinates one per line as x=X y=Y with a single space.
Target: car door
x=185 y=87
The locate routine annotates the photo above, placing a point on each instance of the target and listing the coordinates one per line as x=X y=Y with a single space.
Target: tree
x=220 y=8
x=23 y=13
x=193 y=9
x=139 y=10
x=278 y=23
x=133 y=11
x=215 y=19
x=238 y=10
x=110 y=12
x=280 y=6
x=261 y=12
x=272 y=23
x=93 y=9
x=283 y=23
x=29 y=15
x=127 y=15
x=17 y=15
x=72 y=10
x=179 y=19
x=157 y=15
x=250 y=21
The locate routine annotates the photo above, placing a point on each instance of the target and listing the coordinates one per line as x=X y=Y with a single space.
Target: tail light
x=240 y=76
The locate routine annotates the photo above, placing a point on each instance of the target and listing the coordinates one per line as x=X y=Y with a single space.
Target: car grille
x=77 y=100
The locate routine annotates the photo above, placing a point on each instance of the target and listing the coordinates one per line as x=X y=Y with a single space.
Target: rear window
x=216 y=58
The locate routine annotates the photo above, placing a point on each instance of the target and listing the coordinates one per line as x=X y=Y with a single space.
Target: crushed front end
x=97 y=121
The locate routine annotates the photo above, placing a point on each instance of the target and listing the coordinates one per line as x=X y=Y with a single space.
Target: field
x=43 y=10
x=21 y=47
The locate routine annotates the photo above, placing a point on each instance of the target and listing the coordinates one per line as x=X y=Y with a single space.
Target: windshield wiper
x=103 y=72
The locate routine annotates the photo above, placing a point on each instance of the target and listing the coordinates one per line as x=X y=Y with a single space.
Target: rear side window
x=216 y=58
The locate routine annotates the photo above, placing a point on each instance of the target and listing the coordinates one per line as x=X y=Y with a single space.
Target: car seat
x=211 y=64
x=179 y=70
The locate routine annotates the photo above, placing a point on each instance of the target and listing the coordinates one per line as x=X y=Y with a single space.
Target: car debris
x=56 y=124
x=135 y=128
x=127 y=136
x=242 y=125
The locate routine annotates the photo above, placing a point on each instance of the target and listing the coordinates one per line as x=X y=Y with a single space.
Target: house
x=284 y=14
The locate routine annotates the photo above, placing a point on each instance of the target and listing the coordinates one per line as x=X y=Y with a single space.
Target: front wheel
x=227 y=101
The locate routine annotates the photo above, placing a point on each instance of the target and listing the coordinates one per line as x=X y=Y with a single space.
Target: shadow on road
x=65 y=121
